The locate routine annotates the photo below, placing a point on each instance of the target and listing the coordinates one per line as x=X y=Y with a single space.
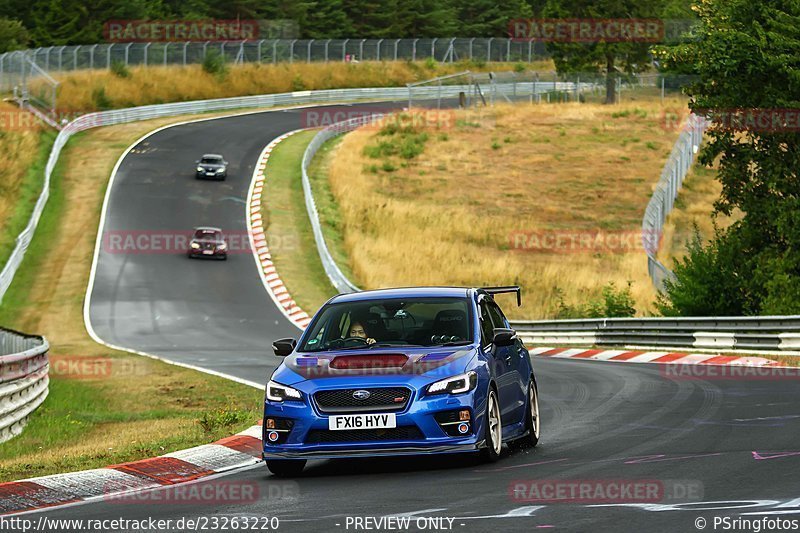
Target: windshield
x=207 y=235
x=211 y=160
x=391 y=322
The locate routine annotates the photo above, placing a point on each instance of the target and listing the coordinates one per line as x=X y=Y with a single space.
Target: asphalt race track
x=713 y=448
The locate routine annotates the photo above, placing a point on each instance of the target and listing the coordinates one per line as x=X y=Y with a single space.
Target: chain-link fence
x=666 y=191
x=102 y=56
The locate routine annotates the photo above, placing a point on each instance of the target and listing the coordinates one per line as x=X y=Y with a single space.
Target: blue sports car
x=401 y=372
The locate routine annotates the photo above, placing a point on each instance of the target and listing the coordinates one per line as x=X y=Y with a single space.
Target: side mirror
x=504 y=337
x=284 y=347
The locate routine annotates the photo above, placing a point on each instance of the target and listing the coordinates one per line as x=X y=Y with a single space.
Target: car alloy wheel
x=494 y=429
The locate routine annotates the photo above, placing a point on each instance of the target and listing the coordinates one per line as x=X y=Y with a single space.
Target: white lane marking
x=519 y=512
x=417 y=513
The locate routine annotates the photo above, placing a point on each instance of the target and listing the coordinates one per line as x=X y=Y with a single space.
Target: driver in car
x=357 y=330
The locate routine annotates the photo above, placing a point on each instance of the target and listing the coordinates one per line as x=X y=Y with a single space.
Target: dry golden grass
x=19 y=144
x=155 y=85
x=448 y=217
x=694 y=207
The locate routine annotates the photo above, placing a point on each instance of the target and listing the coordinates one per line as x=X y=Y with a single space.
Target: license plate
x=208 y=252
x=376 y=421
x=210 y=173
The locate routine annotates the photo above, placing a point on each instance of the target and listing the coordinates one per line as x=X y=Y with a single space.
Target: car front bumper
x=420 y=413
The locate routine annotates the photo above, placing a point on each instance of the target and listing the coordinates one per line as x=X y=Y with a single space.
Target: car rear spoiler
x=505 y=289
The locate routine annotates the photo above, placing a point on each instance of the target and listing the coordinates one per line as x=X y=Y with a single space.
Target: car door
x=500 y=361
x=517 y=361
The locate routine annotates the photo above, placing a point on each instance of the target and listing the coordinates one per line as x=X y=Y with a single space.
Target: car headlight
x=195 y=245
x=200 y=169
x=220 y=170
x=222 y=246
x=278 y=393
x=455 y=385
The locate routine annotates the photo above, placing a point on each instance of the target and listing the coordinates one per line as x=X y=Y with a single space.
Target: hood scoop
x=368 y=362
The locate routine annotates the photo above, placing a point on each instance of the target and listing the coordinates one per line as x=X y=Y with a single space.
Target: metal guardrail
x=663 y=200
x=766 y=333
x=23 y=379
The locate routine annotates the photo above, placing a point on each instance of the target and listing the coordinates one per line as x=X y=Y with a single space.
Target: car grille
x=380 y=399
x=321 y=436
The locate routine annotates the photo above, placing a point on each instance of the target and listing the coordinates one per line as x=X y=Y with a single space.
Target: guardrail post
x=414 y=50
x=378 y=50
x=344 y=50
x=361 y=50
x=308 y=59
x=127 y=53
x=433 y=49
x=146 y=47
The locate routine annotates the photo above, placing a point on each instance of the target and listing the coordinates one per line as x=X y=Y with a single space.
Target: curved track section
x=719 y=447
x=733 y=444
x=145 y=295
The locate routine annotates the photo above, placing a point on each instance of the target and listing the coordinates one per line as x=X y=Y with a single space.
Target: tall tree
x=371 y=18
x=746 y=60
x=490 y=18
x=425 y=18
x=603 y=53
x=13 y=35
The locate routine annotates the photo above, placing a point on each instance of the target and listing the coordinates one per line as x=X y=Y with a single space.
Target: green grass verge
x=289 y=235
x=139 y=407
x=329 y=215
x=29 y=192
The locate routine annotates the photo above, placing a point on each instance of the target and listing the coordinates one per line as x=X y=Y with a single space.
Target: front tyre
x=532 y=419
x=493 y=430
x=286 y=467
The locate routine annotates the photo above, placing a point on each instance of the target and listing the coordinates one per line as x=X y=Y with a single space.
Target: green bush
x=613 y=302
x=214 y=64
x=222 y=418
x=100 y=99
x=120 y=69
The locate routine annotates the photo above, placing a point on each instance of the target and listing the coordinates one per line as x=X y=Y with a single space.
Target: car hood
x=210 y=166
x=430 y=361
